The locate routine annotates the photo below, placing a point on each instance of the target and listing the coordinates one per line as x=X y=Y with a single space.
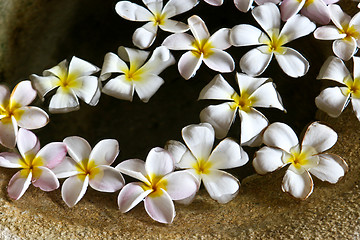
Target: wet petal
x=105 y=152
x=317 y=11
x=299 y=186
x=280 y=135
x=106 y=179
x=63 y=101
x=218 y=89
x=293 y=63
x=159 y=162
x=267 y=159
x=132 y=11
x=134 y=168
x=148 y=86
x=160 y=208
x=296 y=27
x=345 y=49
x=245 y=35
x=18 y=184
x=189 y=64
x=32 y=118
x=10 y=160
x=289 y=8
x=332 y=101
x=78 y=148
x=22 y=95
x=47 y=181
x=320 y=137
x=144 y=36
x=27 y=143
x=119 y=88
x=180 y=185
x=334 y=69
x=220 y=61
x=255 y=61
x=252 y=123
x=73 y=189
x=198 y=28
x=52 y=154
x=243 y=5
x=130 y=195
x=199 y=138
x=328 y=33
x=268 y=16
x=267 y=96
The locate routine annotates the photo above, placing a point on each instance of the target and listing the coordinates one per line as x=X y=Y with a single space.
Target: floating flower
x=71 y=80
x=205 y=164
x=202 y=47
x=36 y=164
x=88 y=167
x=333 y=100
x=159 y=186
x=156 y=16
x=245 y=5
x=346 y=32
x=139 y=77
x=272 y=42
x=283 y=149
x=254 y=92
x=14 y=112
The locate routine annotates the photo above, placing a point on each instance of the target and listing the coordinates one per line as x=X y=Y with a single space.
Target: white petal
x=332 y=101
x=199 y=138
x=267 y=159
x=249 y=84
x=299 y=186
x=179 y=41
x=87 y=90
x=243 y=5
x=175 y=148
x=214 y=2
x=267 y=96
x=119 y=88
x=132 y=11
x=280 y=135
x=345 y=49
x=159 y=60
x=220 y=185
x=32 y=118
x=63 y=101
x=355 y=21
x=180 y=184
x=289 y=8
x=159 y=162
x=317 y=11
x=296 y=27
x=331 y=168
x=293 y=63
x=44 y=84
x=218 y=89
x=105 y=152
x=268 y=16
x=198 y=28
x=130 y=195
x=245 y=35
x=252 y=123
x=59 y=71
x=52 y=154
x=328 y=33
x=66 y=168
x=221 y=39
x=356 y=106
x=188 y=161
x=134 y=56
x=9 y=131
x=47 y=181
x=154 y=6
x=320 y=137
x=112 y=64
x=174 y=26
x=338 y=17
x=228 y=154
x=356 y=70
x=189 y=64
x=255 y=61
x=10 y=160
x=27 y=143
x=334 y=69
x=144 y=36
x=4 y=95
x=74 y=189
x=106 y=179
x=22 y=95
x=134 y=168
x=18 y=184
x=220 y=61
x=160 y=208
x=81 y=67
x=148 y=86
x=175 y=7
x=78 y=148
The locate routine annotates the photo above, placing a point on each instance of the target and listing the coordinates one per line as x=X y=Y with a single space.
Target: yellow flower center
x=68 y=81
x=274 y=41
x=202 y=166
x=353 y=87
x=302 y=159
x=307 y=2
x=10 y=110
x=158 y=19
x=244 y=102
x=156 y=184
x=133 y=74
x=350 y=32
x=202 y=47
x=31 y=164
x=87 y=167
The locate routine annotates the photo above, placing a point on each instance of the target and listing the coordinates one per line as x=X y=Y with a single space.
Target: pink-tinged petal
x=293 y=63
x=280 y=135
x=338 y=16
x=105 y=152
x=44 y=84
x=27 y=143
x=52 y=154
x=330 y=168
x=173 y=26
x=198 y=28
x=4 y=95
x=245 y=35
x=328 y=33
x=134 y=168
x=267 y=159
x=220 y=185
x=188 y=200
x=159 y=162
x=73 y=189
x=317 y=11
x=160 y=207
x=188 y=161
x=296 y=27
x=289 y=8
x=214 y=2
x=159 y=60
x=330 y=1
x=78 y=148
x=218 y=89
x=268 y=16
x=320 y=137
x=175 y=148
x=356 y=70
x=22 y=95
x=63 y=101
x=221 y=39
x=243 y=5
x=179 y=41
x=112 y=64
x=228 y=154
x=144 y=36
x=220 y=61
x=249 y=84
x=334 y=69
x=356 y=106
x=260 y=2
x=106 y=179
x=9 y=131
x=132 y=11
x=255 y=61
x=180 y=185
x=199 y=138
x=267 y=96
x=252 y=123
x=10 y=160
x=345 y=49
x=134 y=56
x=80 y=67
x=220 y=116
x=148 y=86
x=87 y=91
x=47 y=181
x=119 y=88
x=188 y=64
x=130 y=195
x=18 y=184
x=175 y=7
x=332 y=101
x=298 y=185
x=66 y=168
x=32 y=117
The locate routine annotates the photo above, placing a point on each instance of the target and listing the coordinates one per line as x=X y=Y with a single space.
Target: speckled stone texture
x=37 y=34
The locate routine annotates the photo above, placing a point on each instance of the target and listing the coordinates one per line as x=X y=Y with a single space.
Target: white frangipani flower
x=254 y=92
x=245 y=5
x=36 y=164
x=72 y=80
x=283 y=149
x=202 y=47
x=346 y=32
x=88 y=167
x=333 y=100
x=139 y=76
x=159 y=185
x=15 y=112
x=156 y=16
x=272 y=41
x=205 y=164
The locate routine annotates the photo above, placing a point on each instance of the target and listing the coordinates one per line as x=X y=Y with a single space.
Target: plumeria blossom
x=202 y=47
x=246 y=5
x=205 y=164
x=272 y=41
x=139 y=76
x=35 y=164
x=15 y=112
x=315 y=10
x=333 y=100
x=254 y=92
x=156 y=16
x=283 y=149
x=88 y=167
x=346 y=32
x=72 y=80
x=159 y=185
